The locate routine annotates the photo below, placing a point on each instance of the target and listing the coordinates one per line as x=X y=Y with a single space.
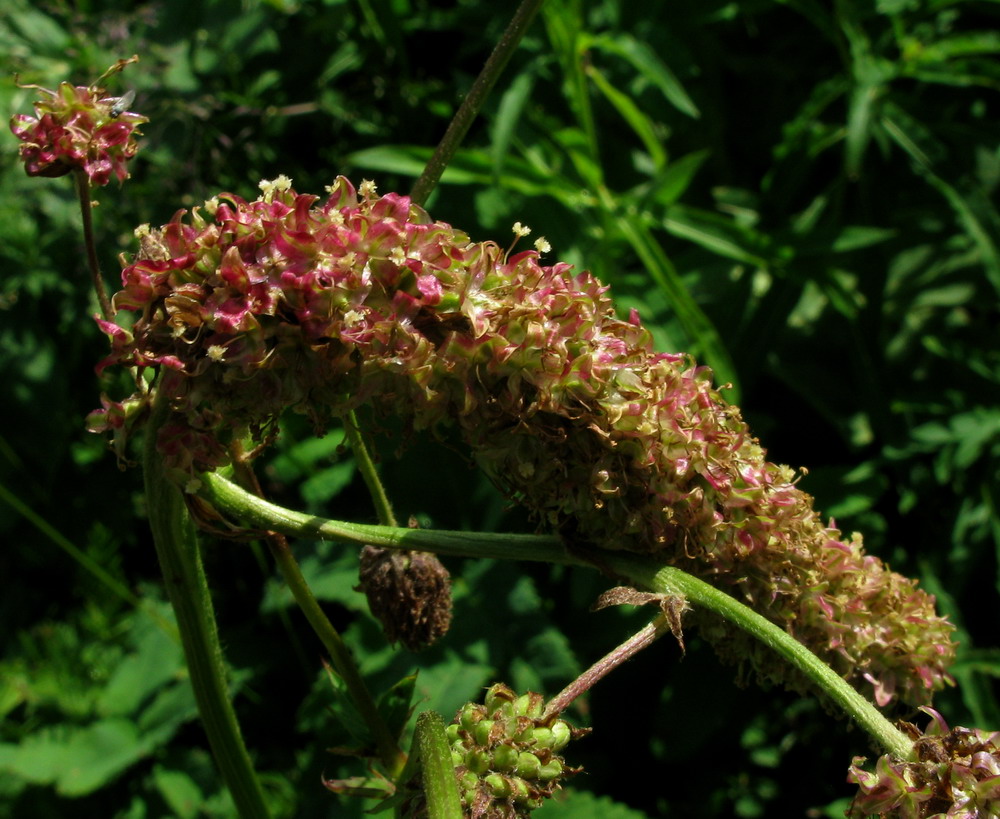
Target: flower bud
x=504 y=761
x=505 y=757
x=561 y=735
x=498 y=785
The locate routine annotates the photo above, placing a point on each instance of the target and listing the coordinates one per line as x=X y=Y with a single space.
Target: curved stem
x=641 y=571
x=86 y=212
x=258 y=513
x=474 y=100
x=668 y=580
x=187 y=587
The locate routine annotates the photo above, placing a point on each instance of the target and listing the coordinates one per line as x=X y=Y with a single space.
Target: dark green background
x=801 y=193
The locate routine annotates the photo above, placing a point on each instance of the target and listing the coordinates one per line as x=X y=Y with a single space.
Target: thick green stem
x=641 y=571
x=668 y=580
x=258 y=513
x=86 y=208
x=474 y=100
x=437 y=769
x=187 y=587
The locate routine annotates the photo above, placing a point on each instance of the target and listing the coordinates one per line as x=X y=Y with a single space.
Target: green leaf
x=509 y=112
x=672 y=181
x=578 y=804
x=179 y=791
x=396 y=704
x=77 y=761
x=154 y=662
x=319 y=488
x=705 y=339
x=650 y=66
x=717 y=234
x=958 y=45
x=633 y=115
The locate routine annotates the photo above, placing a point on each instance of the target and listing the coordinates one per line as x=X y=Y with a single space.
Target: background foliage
x=802 y=193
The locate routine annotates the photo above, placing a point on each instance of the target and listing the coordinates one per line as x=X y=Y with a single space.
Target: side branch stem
x=383 y=508
x=659 y=626
x=474 y=100
x=642 y=572
x=86 y=213
x=340 y=655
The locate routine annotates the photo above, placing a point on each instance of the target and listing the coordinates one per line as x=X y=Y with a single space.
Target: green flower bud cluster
x=506 y=755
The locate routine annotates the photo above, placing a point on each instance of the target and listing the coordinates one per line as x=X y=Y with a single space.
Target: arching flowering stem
x=246 y=309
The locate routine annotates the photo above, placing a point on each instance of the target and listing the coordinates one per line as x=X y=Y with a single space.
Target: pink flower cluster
x=246 y=309
x=955 y=773
x=77 y=127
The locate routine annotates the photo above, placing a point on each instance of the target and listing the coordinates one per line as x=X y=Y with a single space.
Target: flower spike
x=247 y=309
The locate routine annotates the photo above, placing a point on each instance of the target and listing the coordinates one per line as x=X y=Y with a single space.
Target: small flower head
x=79 y=127
x=506 y=755
x=956 y=774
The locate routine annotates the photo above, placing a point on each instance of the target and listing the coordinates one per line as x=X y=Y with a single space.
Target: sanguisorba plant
x=238 y=311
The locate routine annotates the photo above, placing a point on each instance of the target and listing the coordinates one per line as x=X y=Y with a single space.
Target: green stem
x=258 y=513
x=366 y=465
x=642 y=572
x=340 y=655
x=669 y=580
x=187 y=587
x=437 y=769
x=343 y=662
x=86 y=212
x=474 y=100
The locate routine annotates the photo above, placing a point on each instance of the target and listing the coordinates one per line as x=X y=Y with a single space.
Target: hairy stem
x=669 y=580
x=474 y=100
x=187 y=587
x=86 y=212
x=659 y=626
x=642 y=572
x=437 y=769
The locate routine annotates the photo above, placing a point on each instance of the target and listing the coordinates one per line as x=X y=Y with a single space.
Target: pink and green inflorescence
x=246 y=309
x=78 y=128
x=954 y=773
